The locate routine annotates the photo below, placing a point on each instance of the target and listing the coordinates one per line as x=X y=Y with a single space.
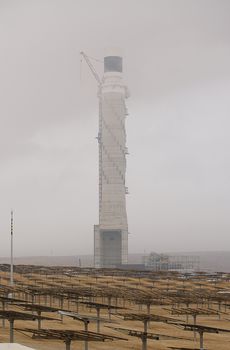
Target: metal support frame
x=144 y=335
x=201 y=340
x=11 y=330
x=98 y=319
x=67 y=344
x=86 y=323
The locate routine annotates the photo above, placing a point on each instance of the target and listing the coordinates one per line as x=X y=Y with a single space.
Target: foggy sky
x=177 y=68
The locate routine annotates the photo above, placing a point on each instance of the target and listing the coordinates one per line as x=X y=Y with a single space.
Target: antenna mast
x=11 y=250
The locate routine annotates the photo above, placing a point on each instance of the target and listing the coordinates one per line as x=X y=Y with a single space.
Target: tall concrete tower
x=111 y=235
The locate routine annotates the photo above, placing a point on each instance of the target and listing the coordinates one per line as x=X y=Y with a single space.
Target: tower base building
x=111 y=247
x=111 y=235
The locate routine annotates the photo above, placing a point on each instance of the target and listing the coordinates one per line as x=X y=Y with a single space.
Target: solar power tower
x=111 y=235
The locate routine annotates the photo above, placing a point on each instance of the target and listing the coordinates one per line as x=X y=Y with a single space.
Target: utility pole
x=11 y=249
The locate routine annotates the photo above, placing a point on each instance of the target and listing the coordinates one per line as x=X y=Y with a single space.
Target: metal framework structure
x=146 y=319
x=145 y=296
x=68 y=335
x=201 y=329
x=147 y=335
x=12 y=316
x=165 y=262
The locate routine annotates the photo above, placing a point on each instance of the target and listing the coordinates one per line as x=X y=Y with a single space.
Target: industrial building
x=165 y=262
x=111 y=234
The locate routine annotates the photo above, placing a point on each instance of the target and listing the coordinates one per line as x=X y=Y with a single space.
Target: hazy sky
x=177 y=67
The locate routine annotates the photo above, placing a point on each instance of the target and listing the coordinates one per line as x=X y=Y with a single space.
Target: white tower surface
x=111 y=235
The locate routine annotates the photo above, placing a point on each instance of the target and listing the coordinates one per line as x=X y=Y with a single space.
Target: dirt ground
x=154 y=288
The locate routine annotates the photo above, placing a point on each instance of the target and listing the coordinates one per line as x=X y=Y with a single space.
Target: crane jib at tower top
x=91 y=67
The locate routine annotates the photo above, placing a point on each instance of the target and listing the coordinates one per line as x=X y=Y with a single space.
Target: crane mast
x=97 y=78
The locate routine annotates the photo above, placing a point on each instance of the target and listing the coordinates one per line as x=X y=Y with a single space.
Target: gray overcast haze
x=177 y=68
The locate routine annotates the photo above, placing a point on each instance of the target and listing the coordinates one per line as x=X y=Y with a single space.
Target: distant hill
x=209 y=261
